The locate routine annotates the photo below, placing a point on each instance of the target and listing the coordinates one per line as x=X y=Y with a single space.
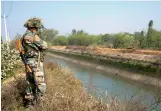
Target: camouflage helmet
x=34 y=22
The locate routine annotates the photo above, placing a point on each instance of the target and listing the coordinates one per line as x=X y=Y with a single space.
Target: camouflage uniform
x=33 y=48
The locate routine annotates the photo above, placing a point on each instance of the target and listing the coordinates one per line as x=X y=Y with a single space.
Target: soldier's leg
x=29 y=96
x=30 y=83
x=31 y=86
x=37 y=77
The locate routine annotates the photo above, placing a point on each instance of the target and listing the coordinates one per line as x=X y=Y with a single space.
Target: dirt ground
x=136 y=54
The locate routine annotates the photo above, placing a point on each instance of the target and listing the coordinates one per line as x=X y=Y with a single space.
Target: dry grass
x=11 y=95
x=64 y=93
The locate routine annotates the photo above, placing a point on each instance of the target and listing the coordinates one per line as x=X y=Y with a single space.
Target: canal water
x=102 y=84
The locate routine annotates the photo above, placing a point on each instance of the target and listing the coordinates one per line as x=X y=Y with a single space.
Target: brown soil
x=136 y=54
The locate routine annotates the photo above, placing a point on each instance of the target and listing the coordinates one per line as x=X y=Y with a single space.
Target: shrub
x=9 y=61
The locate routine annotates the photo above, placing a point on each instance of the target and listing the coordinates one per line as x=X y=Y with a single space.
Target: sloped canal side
x=103 y=83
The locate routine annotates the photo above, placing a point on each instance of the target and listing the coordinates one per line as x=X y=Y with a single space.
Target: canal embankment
x=104 y=64
x=64 y=93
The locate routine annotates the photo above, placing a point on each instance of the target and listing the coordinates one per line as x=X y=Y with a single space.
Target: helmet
x=34 y=22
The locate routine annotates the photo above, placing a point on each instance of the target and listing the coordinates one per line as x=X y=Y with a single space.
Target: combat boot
x=29 y=96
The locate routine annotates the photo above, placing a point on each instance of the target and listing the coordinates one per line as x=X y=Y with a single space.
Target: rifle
x=18 y=43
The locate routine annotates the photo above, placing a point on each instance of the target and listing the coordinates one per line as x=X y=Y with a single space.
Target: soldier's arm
x=40 y=43
x=30 y=40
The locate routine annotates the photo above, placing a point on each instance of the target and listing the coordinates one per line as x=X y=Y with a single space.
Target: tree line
x=141 y=40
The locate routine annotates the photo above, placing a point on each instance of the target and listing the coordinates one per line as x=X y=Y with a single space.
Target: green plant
x=9 y=61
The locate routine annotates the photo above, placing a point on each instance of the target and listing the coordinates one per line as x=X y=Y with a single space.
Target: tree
x=60 y=40
x=80 y=32
x=139 y=38
x=151 y=24
x=48 y=35
x=149 y=34
x=107 y=38
x=83 y=39
x=74 y=32
x=142 y=40
x=124 y=40
x=156 y=39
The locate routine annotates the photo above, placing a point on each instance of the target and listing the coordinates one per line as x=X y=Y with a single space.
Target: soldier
x=33 y=50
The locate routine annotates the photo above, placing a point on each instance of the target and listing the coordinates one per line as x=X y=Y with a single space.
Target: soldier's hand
x=42 y=44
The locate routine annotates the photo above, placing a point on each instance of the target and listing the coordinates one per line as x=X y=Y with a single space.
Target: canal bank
x=113 y=71
x=145 y=61
x=103 y=84
x=64 y=93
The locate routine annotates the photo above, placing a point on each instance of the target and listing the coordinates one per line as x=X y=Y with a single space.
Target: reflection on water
x=100 y=82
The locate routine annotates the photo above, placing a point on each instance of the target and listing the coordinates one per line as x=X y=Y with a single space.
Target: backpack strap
x=38 y=65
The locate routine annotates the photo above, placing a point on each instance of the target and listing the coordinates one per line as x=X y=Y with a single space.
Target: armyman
x=33 y=47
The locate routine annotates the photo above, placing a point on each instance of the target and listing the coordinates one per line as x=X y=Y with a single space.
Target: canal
x=102 y=84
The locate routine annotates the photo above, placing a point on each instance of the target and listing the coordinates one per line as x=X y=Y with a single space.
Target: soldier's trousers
x=33 y=83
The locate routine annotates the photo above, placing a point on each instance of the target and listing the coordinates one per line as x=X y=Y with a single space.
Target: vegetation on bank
x=151 y=67
x=10 y=61
x=150 y=39
x=143 y=39
x=64 y=93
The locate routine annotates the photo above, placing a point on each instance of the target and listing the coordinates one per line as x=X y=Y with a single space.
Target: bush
x=60 y=40
x=9 y=61
x=84 y=40
x=124 y=40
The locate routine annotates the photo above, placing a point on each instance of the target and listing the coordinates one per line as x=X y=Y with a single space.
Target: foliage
x=149 y=34
x=74 y=32
x=155 y=39
x=108 y=39
x=124 y=40
x=82 y=38
x=60 y=40
x=9 y=61
x=140 y=40
x=79 y=39
x=48 y=35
